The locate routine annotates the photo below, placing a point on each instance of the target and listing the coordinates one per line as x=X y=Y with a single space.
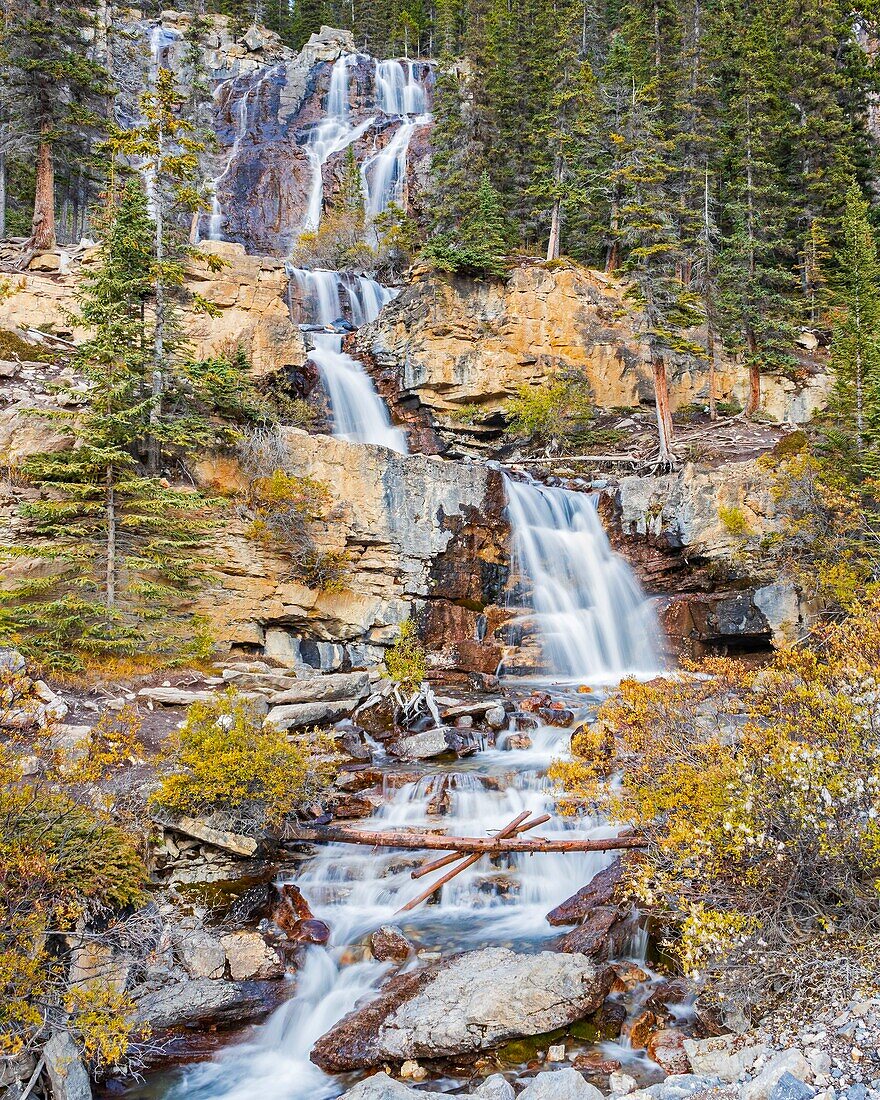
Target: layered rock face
x=458 y=349
x=423 y=537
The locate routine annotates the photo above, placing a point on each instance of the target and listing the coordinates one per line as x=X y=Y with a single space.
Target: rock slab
x=462 y=1005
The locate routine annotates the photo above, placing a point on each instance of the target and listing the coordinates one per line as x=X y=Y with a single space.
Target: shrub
x=560 y=408
x=287 y=512
x=734 y=520
x=224 y=758
x=758 y=795
x=405 y=660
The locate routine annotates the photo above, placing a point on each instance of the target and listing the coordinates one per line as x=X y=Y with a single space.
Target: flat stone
x=219 y=838
x=299 y=715
x=332 y=686
x=175 y=697
x=201 y=954
x=560 y=1084
x=435 y=742
x=205 y=1000
x=465 y=1004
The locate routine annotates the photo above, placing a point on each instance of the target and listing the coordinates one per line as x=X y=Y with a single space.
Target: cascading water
x=359 y=414
x=399 y=94
x=356 y=890
x=593 y=622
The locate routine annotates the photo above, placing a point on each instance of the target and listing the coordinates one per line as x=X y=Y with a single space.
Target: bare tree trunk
x=2 y=195
x=754 y=376
x=555 y=225
x=43 y=225
x=710 y=348
x=110 y=510
x=158 y=376
x=661 y=401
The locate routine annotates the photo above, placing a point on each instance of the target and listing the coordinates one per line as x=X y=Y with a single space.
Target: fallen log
x=439 y=843
x=510 y=829
x=436 y=864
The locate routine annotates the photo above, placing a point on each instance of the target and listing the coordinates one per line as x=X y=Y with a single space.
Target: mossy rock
x=12 y=346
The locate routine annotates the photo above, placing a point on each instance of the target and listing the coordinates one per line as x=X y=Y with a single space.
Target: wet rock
x=556 y=716
x=640 y=1029
x=519 y=741
x=389 y=943
x=560 y=1084
x=311 y=931
x=290 y=909
x=250 y=957
x=535 y=702
x=627 y=976
x=496 y=718
x=601 y=890
x=67 y=1073
x=595 y=1063
x=436 y=742
x=462 y=1005
x=377 y=716
x=353 y=806
x=595 y=936
x=352 y=743
x=251 y=905
x=357 y=777
x=666 y=1048
x=722 y=1056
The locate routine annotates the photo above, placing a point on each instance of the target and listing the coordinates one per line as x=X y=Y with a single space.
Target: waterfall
x=332 y=134
x=593 y=622
x=399 y=94
x=359 y=414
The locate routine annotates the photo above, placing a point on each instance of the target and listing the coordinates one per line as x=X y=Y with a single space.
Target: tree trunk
x=158 y=375
x=661 y=401
x=110 y=510
x=43 y=225
x=2 y=196
x=754 y=376
x=710 y=348
x=555 y=220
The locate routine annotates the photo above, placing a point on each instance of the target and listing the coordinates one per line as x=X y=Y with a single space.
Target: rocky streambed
x=476 y=981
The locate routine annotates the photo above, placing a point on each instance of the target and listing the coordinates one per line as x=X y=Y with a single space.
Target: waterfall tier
x=592 y=621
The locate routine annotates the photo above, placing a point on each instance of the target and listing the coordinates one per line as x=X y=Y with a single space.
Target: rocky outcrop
x=463 y=1005
x=422 y=537
x=458 y=349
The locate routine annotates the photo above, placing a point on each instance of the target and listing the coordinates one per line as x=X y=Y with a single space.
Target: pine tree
x=480 y=246
x=855 y=349
x=58 y=90
x=120 y=543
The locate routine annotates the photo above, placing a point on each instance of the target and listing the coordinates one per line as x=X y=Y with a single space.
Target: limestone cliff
x=450 y=345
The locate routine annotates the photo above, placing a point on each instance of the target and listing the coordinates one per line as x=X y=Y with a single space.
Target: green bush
x=405 y=660
x=561 y=407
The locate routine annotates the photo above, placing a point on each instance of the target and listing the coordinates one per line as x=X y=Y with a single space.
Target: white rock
x=621 y=1084
x=820 y=1061
x=250 y=957
x=718 y=1057
x=202 y=955
x=495 y=1088
x=560 y=1084
x=556 y=1053
x=789 y=1061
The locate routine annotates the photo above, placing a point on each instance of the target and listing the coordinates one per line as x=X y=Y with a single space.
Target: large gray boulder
x=463 y=1005
x=560 y=1084
x=67 y=1074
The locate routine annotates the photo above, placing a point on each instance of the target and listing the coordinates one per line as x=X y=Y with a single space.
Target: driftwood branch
x=561 y=459
x=436 y=864
x=438 y=843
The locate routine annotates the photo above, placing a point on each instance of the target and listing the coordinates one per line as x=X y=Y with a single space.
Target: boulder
x=601 y=890
x=389 y=943
x=560 y=1084
x=199 y=829
x=250 y=957
x=790 y=1062
x=788 y=1087
x=206 y=1000
x=67 y=1074
x=299 y=715
x=382 y=1087
x=666 y=1048
x=495 y=1088
x=175 y=697
x=594 y=936
x=435 y=742
x=463 y=1005
x=723 y=1056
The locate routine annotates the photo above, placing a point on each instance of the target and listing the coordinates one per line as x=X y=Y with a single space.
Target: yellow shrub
x=405 y=660
x=225 y=758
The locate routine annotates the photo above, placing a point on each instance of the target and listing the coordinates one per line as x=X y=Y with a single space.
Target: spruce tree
x=480 y=246
x=855 y=349
x=120 y=544
x=58 y=91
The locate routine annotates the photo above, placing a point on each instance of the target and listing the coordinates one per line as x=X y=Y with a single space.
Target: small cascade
x=242 y=113
x=359 y=414
x=399 y=94
x=355 y=890
x=334 y=133
x=584 y=602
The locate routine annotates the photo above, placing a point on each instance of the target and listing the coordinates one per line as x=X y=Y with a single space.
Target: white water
x=593 y=622
x=356 y=889
x=358 y=413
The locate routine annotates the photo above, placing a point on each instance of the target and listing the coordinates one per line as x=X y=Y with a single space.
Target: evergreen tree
x=481 y=245
x=855 y=350
x=58 y=90
x=120 y=543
